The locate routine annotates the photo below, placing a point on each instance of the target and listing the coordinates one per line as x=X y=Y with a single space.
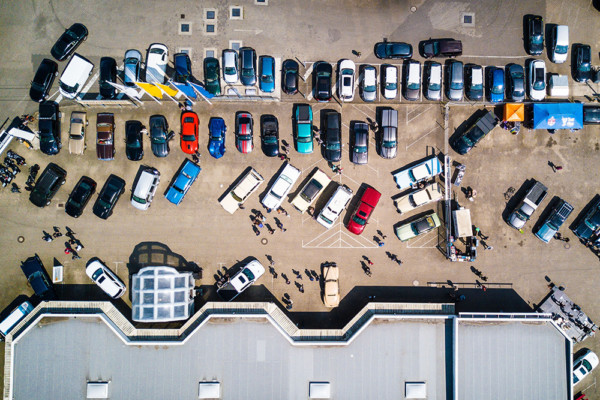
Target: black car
x=581 y=65
x=160 y=135
x=134 y=147
x=108 y=73
x=588 y=224
x=289 y=77
x=247 y=66
x=212 y=73
x=108 y=197
x=269 y=135
x=474 y=82
x=322 y=81
x=51 y=179
x=393 y=50
x=79 y=197
x=535 y=35
x=183 y=67
x=68 y=41
x=440 y=48
x=464 y=142
x=38 y=278
x=591 y=115
x=49 y=126
x=333 y=137
x=43 y=80
x=515 y=88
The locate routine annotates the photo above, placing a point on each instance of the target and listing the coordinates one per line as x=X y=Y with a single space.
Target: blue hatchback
x=216 y=142
x=497 y=86
x=182 y=181
x=266 y=72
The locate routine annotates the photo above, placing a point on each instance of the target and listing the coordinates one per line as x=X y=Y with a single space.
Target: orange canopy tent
x=514 y=112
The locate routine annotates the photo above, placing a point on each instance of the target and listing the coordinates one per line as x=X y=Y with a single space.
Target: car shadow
x=512 y=203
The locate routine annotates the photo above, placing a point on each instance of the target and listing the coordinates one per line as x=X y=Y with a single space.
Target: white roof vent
x=416 y=390
x=319 y=390
x=209 y=390
x=97 y=390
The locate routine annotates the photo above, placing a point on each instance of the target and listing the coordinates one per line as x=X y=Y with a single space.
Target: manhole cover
x=567 y=246
x=415 y=283
x=21 y=239
x=264 y=240
x=413 y=9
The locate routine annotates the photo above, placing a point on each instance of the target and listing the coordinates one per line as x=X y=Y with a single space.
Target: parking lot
x=200 y=231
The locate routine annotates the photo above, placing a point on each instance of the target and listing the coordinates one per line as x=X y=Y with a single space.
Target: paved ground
x=200 y=231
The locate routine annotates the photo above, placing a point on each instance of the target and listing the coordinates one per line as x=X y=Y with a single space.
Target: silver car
x=360 y=151
x=432 y=81
x=230 y=66
x=131 y=68
x=369 y=83
x=455 y=83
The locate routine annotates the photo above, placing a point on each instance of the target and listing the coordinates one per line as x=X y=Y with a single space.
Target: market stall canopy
x=514 y=112
x=558 y=116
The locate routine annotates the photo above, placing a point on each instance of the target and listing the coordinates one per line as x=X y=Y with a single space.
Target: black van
x=440 y=48
x=47 y=185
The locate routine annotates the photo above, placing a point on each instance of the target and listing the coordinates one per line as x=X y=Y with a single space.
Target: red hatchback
x=363 y=212
x=189 y=132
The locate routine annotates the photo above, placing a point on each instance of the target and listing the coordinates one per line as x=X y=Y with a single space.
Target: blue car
x=266 y=71
x=182 y=181
x=497 y=86
x=216 y=142
x=589 y=224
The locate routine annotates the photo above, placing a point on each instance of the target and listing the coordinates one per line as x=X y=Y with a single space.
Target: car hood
x=388 y=152
x=359 y=158
x=460 y=145
x=305 y=148
x=270 y=149
x=216 y=148
x=333 y=155
x=245 y=146
x=405 y=232
x=189 y=147
x=72 y=210
x=37 y=198
x=76 y=146
x=160 y=149
x=49 y=147
x=134 y=153
x=515 y=221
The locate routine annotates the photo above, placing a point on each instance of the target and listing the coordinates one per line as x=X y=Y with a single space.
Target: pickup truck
x=388 y=148
x=38 y=278
x=534 y=197
x=241 y=281
x=463 y=143
x=410 y=177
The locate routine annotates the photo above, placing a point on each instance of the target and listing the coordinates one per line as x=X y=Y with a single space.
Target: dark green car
x=211 y=75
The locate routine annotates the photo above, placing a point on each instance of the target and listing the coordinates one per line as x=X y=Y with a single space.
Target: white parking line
x=429 y=236
x=416 y=109
x=335 y=237
x=421 y=137
x=510 y=57
x=89 y=84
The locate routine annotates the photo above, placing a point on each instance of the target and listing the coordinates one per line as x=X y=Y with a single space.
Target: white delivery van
x=558 y=86
x=14 y=318
x=74 y=76
x=559 y=44
x=336 y=204
x=145 y=188
x=240 y=192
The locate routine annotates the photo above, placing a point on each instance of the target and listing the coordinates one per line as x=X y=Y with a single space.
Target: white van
x=336 y=204
x=240 y=192
x=145 y=188
x=559 y=44
x=74 y=76
x=14 y=318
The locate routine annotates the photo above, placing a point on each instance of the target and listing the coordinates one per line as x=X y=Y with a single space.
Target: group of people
x=72 y=246
x=259 y=221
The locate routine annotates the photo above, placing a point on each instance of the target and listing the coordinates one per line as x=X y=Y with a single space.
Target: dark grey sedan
x=516 y=82
x=159 y=135
x=360 y=151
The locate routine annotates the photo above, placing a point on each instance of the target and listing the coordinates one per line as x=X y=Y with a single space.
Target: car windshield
x=498 y=89
x=132 y=140
x=413 y=86
x=391 y=86
x=360 y=149
x=267 y=78
x=270 y=139
x=67 y=88
x=537 y=39
x=456 y=85
x=359 y=220
x=248 y=274
x=539 y=83
x=561 y=49
x=97 y=273
x=333 y=146
x=435 y=86
x=189 y=138
x=389 y=144
x=156 y=50
x=585 y=67
x=247 y=72
x=230 y=70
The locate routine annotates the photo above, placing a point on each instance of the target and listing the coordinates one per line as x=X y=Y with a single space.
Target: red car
x=363 y=212
x=189 y=132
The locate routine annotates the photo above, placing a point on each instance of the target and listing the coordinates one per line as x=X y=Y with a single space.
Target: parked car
x=269 y=135
x=362 y=214
x=68 y=41
x=429 y=194
x=144 y=189
x=281 y=187
x=389 y=81
x=393 y=50
x=347 y=69
x=230 y=66
x=418 y=227
x=182 y=181
x=322 y=81
x=107 y=199
x=581 y=62
x=469 y=138
x=360 y=148
x=134 y=146
x=335 y=206
x=440 y=48
x=13 y=319
x=131 y=67
x=43 y=80
x=49 y=126
x=591 y=115
x=535 y=35
x=388 y=143
x=74 y=76
x=527 y=206
x=559 y=43
x=50 y=180
x=108 y=73
x=212 y=75
x=515 y=88
x=303 y=119
x=38 y=278
x=80 y=196
x=241 y=281
x=157 y=59
x=589 y=224
x=454 y=81
x=216 y=140
x=432 y=89
x=497 y=85
x=369 y=83
x=331 y=286
x=247 y=66
x=537 y=80
x=584 y=365
x=105 y=134
x=474 y=82
x=244 y=132
x=102 y=276
x=159 y=135
x=554 y=220
x=189 y=132
x=266 y=71
x=289 y=77
x=183 y=67
x=412 y=80
x=77 y=129
x=245 y=186
x=410 y=177
x=333 y=137
x=311 y=190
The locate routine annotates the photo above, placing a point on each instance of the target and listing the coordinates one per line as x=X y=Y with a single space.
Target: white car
x=74 y=76
x=230 y=66
x=281 y=187
x=346 y=80
x=156 y=63
x=583 y=365
x=369 y=83
x=310 y=191
x=537 y=80
x=105 y=278
x=331 y=288
x=247 y=185
x=390 y=81
x=334 y=207
x=419 y=198
x=145 y=188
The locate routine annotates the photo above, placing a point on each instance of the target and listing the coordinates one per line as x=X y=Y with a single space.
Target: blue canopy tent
x=557 y=115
